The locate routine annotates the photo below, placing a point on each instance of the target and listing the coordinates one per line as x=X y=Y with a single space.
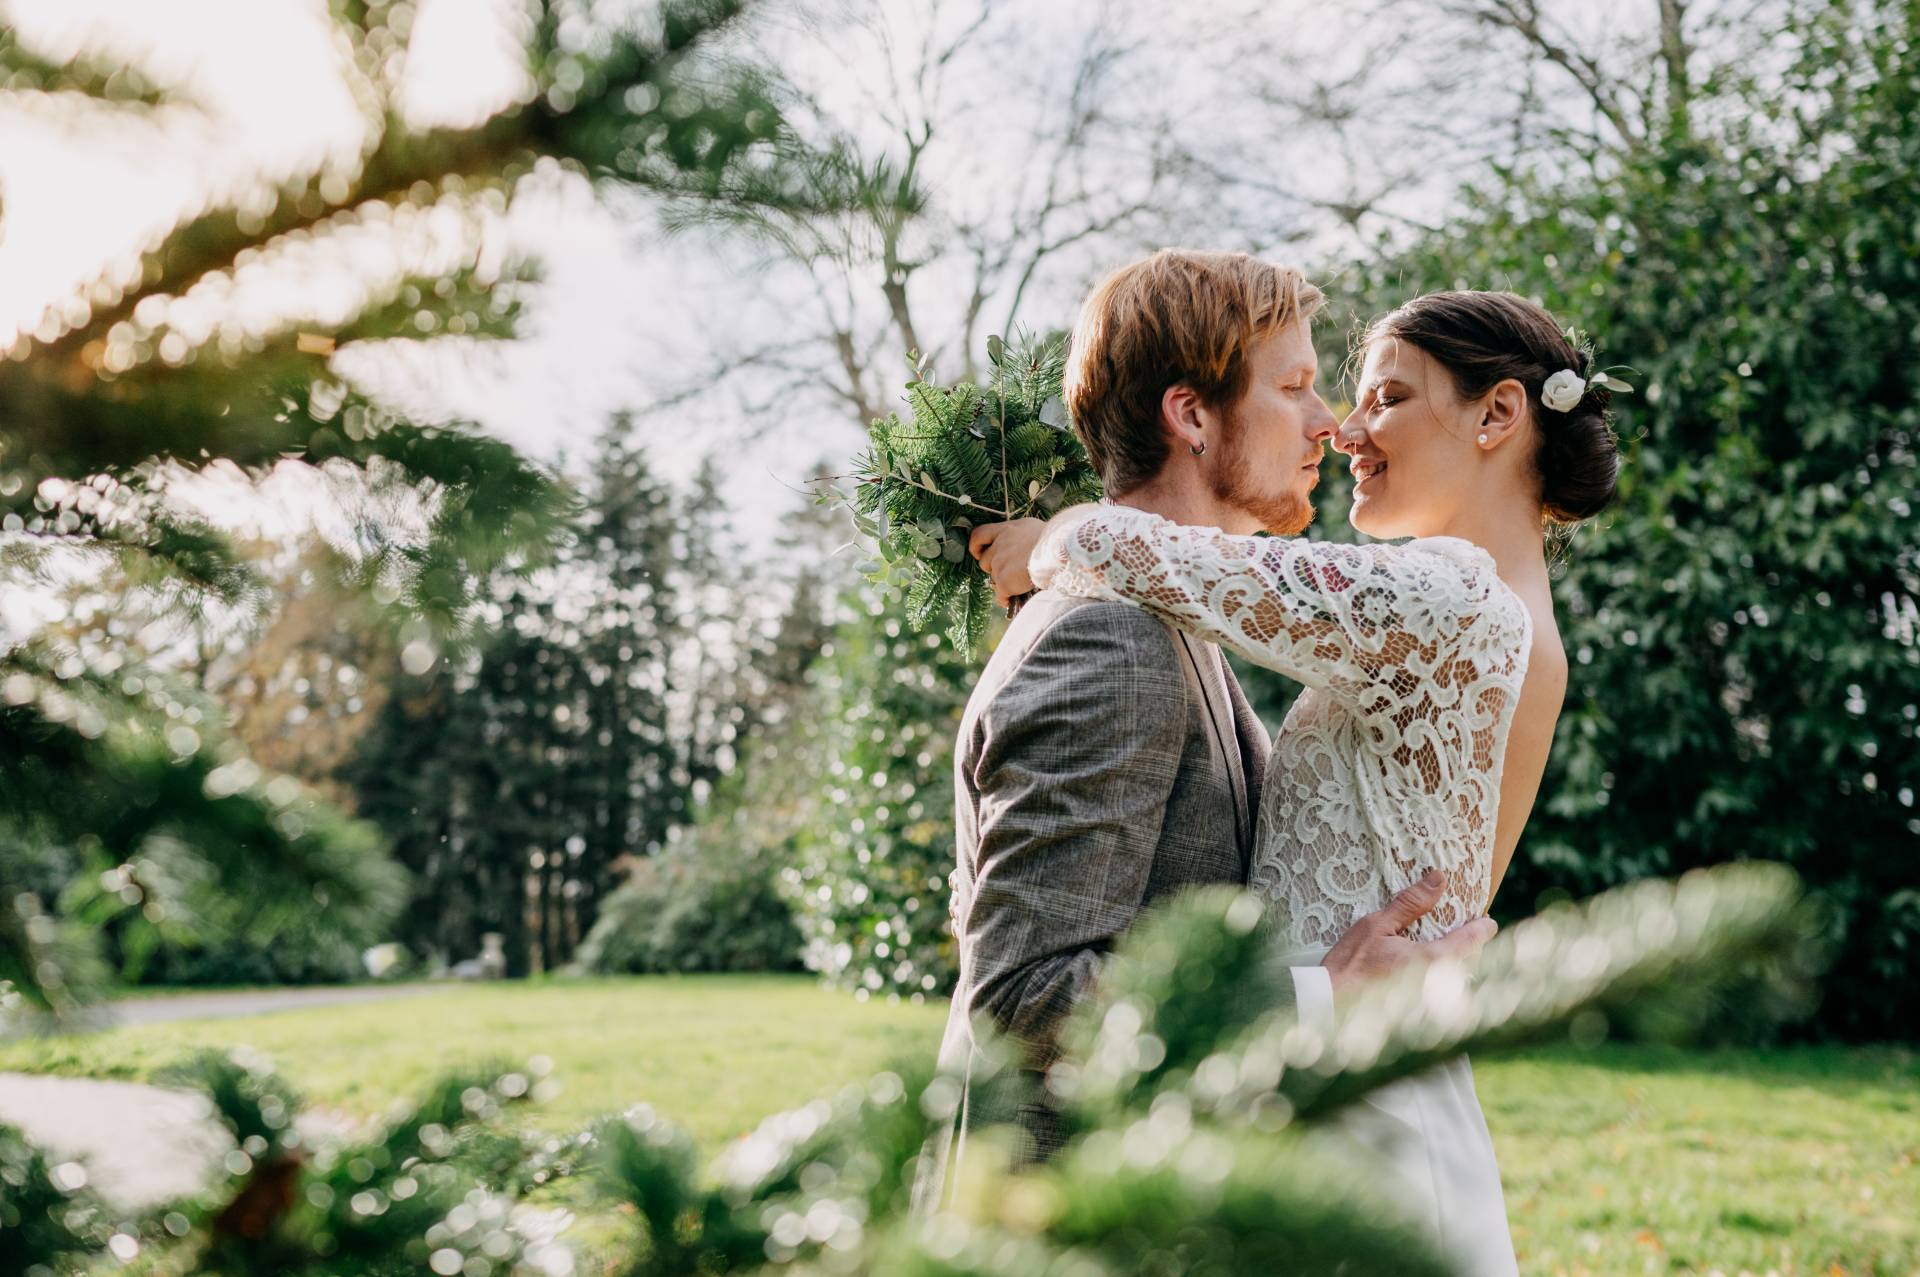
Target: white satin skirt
x=1427 y=1132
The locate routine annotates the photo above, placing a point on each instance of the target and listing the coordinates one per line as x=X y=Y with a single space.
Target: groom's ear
x=1505 y=407
x=1187 y=421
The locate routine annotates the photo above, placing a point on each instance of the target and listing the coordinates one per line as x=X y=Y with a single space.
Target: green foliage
x=1193 y=1115
x=434 y=1178
x=869 y=877
x=857 y=1146
x=828 y=1188
x=966 y=455
x=701 y=905
x=50 y=1223
x=434 y=1184
x=421 y=774
x=1645 y=961
x=804 y=1181
x=1742 y=628
x=650 y=1165
x=126 y=810
x=310 y=950
x=1219 y=1203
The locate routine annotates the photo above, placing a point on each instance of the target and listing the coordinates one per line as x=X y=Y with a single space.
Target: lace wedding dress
x=1388 y=765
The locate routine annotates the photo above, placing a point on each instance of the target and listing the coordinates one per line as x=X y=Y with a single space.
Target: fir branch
x=24 y=71
x=48 y=1223
x=1642 y=957
x=699 y=127
x=917 y=490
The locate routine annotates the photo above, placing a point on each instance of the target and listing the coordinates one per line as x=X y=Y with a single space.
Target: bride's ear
x=1505 y=408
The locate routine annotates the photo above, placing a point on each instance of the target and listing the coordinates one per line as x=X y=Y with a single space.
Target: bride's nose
x=1347 y=436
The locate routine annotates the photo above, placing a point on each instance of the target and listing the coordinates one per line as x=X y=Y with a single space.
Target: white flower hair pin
x=1565 y=389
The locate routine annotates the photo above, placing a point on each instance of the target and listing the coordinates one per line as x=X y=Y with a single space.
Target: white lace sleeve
x=1372 y=624
x=1393 y=767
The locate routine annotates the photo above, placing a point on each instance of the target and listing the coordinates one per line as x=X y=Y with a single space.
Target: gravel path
x=213 y=1006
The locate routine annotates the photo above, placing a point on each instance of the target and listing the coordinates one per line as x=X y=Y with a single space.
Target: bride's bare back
x=1530 y=739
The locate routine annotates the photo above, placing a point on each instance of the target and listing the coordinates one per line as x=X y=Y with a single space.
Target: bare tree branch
x=1524 y=19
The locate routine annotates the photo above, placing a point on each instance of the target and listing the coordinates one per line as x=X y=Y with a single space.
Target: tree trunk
x=1674 y=53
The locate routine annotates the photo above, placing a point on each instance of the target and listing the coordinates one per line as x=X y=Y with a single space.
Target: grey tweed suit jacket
x=1105 y=761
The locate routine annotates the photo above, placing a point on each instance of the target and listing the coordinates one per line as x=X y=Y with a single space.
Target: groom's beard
x=1283 y=514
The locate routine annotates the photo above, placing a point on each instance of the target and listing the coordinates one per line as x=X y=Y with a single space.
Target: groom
x=1105 y=760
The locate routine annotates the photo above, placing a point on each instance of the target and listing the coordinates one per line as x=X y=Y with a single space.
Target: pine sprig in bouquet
x=963 y=455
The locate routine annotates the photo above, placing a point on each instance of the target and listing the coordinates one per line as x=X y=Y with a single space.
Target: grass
x=1617 y=1160
x=715 y=1053
x=1637 y=1160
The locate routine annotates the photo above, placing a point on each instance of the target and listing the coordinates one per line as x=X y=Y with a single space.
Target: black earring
x=1198 y=449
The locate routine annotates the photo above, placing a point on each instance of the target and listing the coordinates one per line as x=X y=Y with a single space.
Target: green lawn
x=1618 y=1160
x=715 y=1053
x=1630 y=1160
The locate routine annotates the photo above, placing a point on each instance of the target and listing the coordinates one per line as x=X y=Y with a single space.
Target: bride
x=1433 y=668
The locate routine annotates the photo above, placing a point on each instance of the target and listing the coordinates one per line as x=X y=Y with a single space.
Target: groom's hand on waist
x=1373 y=946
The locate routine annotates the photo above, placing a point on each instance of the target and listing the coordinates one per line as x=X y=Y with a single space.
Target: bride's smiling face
x=1411 y=443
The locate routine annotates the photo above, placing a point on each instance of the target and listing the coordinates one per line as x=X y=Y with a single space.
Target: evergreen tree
x=460 y=773
x=632 y=770
x=517 y=782
x=722 y=624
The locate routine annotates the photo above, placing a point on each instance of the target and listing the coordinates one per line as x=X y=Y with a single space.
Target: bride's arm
x=1359 y=620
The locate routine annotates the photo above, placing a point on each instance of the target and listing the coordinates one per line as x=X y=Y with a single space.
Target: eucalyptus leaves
x=961 y=456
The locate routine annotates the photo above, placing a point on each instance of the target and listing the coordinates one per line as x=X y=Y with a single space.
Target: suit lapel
x=1255 y=744
x=1211 y=675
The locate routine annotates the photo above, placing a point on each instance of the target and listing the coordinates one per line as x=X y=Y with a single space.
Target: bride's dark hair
x=1482 y=339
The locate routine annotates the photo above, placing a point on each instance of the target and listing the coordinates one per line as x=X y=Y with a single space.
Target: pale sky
x=624 y=315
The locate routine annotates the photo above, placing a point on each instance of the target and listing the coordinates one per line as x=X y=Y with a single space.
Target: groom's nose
x=1323 y=424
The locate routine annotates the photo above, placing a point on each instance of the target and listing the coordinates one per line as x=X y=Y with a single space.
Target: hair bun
x=1579 y=462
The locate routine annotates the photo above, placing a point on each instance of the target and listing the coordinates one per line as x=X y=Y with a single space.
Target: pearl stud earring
x=1483 y=438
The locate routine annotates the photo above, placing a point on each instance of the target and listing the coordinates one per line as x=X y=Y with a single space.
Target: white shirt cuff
x=1313 y=996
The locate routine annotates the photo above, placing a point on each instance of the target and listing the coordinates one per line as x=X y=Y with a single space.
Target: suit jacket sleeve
x=1077 y=756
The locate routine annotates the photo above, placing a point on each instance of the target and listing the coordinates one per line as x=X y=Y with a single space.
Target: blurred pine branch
x=124 y=819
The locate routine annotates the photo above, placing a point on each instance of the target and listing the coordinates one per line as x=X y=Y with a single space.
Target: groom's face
x=1276 y=435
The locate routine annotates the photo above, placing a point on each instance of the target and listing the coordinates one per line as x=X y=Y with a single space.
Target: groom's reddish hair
x=1179 y=316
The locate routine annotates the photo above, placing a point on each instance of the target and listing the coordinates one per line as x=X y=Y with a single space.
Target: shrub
x=306 y=958
x=704 y=904
x=869 y=879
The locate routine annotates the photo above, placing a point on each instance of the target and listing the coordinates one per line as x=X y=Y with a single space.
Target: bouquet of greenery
x=964 y=455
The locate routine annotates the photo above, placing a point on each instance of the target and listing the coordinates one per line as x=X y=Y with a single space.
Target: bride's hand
x=1003 y=550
